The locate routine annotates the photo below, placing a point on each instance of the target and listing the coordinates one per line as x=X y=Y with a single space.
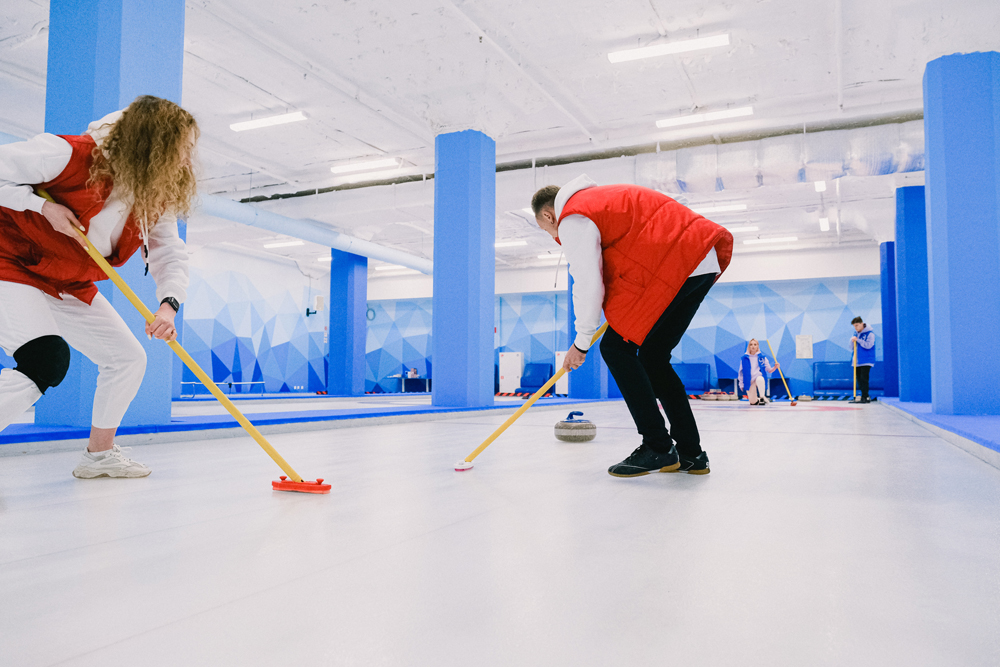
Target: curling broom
x=794 y=402
x=466 y=463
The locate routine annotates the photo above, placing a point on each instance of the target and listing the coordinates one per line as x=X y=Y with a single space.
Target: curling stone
x=575 y=430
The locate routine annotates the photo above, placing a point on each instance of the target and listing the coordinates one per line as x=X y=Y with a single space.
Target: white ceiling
x=384 y=78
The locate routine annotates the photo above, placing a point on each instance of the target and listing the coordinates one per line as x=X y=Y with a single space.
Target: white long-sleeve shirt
x=581 y=242
x=25 y=164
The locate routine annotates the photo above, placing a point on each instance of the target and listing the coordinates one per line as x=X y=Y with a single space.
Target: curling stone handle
x=575 y=413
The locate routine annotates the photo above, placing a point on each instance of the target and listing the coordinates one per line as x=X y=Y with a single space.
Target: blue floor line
x=981 y=429
x=19 y=433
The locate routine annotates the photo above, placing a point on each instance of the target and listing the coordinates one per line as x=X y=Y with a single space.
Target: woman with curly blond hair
x=123 y=183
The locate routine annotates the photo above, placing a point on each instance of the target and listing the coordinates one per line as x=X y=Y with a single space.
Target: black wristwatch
x=172 y=302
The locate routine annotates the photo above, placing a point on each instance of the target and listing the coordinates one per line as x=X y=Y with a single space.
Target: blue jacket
x=866 y=347
x=745 y=374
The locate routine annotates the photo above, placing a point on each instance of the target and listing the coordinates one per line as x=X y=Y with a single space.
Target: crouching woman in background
x=754 y=369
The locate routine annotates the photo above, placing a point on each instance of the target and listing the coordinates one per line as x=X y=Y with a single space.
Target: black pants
x=644 y=373
x=863 y=372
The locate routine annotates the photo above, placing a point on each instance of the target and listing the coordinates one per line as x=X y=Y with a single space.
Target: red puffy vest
x=650 y=244
x=32 y=253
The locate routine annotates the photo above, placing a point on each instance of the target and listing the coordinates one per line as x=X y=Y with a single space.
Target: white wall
x=825 y=263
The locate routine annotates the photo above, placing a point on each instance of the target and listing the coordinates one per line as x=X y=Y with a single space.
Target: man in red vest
x=648 y=261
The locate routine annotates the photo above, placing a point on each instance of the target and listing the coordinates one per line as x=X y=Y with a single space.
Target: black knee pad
x=45 y=360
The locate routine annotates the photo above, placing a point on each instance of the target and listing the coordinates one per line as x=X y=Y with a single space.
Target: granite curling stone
x=572 y=429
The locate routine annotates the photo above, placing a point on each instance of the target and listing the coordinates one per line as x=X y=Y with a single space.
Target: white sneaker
x=109 y=464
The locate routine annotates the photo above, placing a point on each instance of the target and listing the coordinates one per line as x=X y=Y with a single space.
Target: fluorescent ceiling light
x=824 y=224
x=820 y=186
x=556 y=257
x=509 y=244
x=371 y=176
x=667 y=49
x=719 y=209
x=705 y=117
x=284 y=244
x=364 y=166
x=324 y=258
x=267 y=122
x=744 y=228
x=400 y=271
x=389 y=267
x=780 y=239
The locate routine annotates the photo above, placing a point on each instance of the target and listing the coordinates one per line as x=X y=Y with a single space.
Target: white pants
x=96 y=330
x=756 y=389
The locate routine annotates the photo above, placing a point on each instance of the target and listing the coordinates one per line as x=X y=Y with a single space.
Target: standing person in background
x=754 y=369
x=122 y=183
x=648 y=261
x=864 y=342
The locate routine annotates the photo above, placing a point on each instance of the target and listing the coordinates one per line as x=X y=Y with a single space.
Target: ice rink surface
x=825 y=535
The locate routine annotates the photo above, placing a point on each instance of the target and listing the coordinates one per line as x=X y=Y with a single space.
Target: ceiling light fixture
x=824 y=224
x=820 y=186
x=372 y=176
x=780 y=239
x=719 y=209
x=365 y=166
x=400 y=271
x=324 y=258
x=667 y=49
x=389 y=267
x=705 y=117
x=284 y=244
x=509 y=244
x=268 y=122
x=744 y=228
x=556 y=257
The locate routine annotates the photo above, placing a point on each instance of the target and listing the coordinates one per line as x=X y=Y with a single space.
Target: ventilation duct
x=794 y=158
x=308 y=230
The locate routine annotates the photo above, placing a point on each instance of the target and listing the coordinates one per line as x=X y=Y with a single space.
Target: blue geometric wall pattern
x=399 y=338
x=533 y=324
x=732 y=313
x=399 y=334
x=249 y=325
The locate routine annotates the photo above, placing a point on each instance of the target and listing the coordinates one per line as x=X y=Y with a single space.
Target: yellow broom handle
x=527 y=404
x=182 y=353
x=855 y=369
x=787 y=390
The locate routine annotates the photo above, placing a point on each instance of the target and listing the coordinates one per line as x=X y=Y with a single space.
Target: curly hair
x=144 y=155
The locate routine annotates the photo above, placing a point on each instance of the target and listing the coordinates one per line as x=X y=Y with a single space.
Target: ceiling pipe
x=309 y=230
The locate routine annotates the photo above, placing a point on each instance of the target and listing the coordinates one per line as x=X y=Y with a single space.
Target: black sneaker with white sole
x=694 y=466
x=645 y=460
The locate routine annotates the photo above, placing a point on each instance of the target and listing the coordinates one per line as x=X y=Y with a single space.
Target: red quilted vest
x=32 y=253
x=650 y=244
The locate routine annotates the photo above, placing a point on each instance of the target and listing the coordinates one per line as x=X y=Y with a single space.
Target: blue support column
x=962 y=136
x=591 y=379
x=890 y=337
x=912 y=318
x=348 y=324
x=102 y=55
x=464 y=269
